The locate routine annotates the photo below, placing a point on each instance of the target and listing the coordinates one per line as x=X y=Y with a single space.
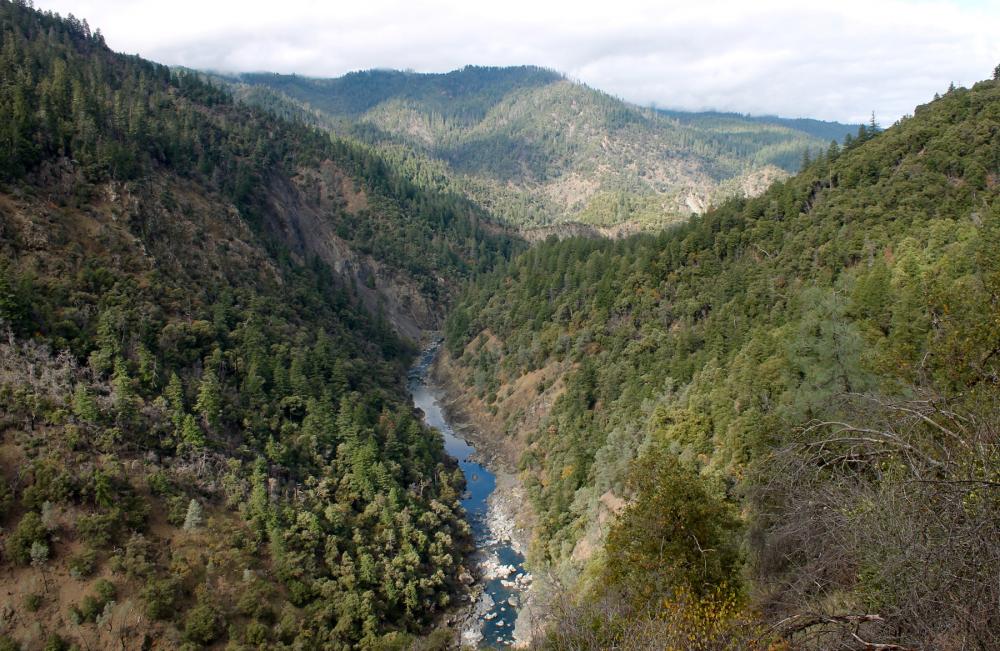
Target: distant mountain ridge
x=454 y=94
x=821 y=129
x=538 y=149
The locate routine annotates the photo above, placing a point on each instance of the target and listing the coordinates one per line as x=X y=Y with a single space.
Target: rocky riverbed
x=492 y=501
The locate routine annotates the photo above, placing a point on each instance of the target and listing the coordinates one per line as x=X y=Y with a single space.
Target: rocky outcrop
x=300 y=214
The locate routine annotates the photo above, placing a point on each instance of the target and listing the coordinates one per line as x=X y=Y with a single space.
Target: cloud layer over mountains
x=837 y=60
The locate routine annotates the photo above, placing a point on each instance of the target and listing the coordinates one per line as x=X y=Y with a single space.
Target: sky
x=834 y=60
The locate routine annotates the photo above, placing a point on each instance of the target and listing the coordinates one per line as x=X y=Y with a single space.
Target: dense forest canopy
x=821 y=359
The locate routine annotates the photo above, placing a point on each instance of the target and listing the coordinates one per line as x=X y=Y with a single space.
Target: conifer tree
x=175 y=399
x=209 y=403
x=194 y=517
x=191 y=434
x=84 y=405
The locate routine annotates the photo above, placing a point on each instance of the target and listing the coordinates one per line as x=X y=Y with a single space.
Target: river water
x=501 y=567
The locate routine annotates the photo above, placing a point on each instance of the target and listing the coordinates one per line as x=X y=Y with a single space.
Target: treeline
x=790 y=391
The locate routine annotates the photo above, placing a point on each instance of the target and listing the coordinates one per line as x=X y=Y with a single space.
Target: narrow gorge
x=502 y=584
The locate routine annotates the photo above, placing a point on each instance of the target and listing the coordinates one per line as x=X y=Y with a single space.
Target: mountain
x=773 y=424
x=537 y=149
x=823 y=130
x=204 y=433
x=769 y=426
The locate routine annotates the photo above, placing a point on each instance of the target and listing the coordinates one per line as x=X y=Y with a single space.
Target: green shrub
x=33 y=602
x=255 y=600
x=105 y=590
x=83 y=564
x=160 y=484
x=202 y=624
x=89 y=609
x=98 y=529
x=177 y=507
x=658 y=544
x=6 y=499
x=56 y=643
x=29 y=531
x=160 y=596
x=256 y=632
x=92 y=605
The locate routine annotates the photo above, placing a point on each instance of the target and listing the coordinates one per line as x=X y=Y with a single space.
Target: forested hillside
x=204 y=433
x=790 y=403
x=535 y=148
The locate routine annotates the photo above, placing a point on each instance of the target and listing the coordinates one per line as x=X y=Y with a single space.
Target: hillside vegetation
x=536 y=149
x=795 y=394
x=204 y=433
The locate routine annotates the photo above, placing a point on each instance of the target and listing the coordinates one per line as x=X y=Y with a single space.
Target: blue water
x=497 y=630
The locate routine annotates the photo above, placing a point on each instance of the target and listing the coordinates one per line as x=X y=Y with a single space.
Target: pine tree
x=209 y=403
x=175 y=398
x=84 y=405
x=124 y=394
x=191 y=435
x=194 y=517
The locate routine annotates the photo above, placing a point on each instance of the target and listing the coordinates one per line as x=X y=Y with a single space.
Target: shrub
x=88 y=610
x=160 y=596
x=92 y=605
x=202 y=624
x=105 y=590
x=33 y=602
x=136 y=561
x=674 y=535
x=29 y=531
x=160 y=484
x=6 y=501
x=98 y=529
x=255 y=600
x=256 y=633
x=56 y=643
x=83 y=564
x=177 y=507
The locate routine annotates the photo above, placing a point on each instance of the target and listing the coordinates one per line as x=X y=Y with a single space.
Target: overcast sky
x=835 y=60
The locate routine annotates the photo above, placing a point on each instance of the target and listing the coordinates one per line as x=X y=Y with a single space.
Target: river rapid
x=502 y=580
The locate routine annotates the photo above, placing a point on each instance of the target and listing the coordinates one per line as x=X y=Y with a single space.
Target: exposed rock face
x=300 y=214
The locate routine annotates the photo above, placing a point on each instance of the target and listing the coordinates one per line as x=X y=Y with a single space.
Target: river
x=502 y=578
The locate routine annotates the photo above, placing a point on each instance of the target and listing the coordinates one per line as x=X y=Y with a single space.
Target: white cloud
x=837 y=60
